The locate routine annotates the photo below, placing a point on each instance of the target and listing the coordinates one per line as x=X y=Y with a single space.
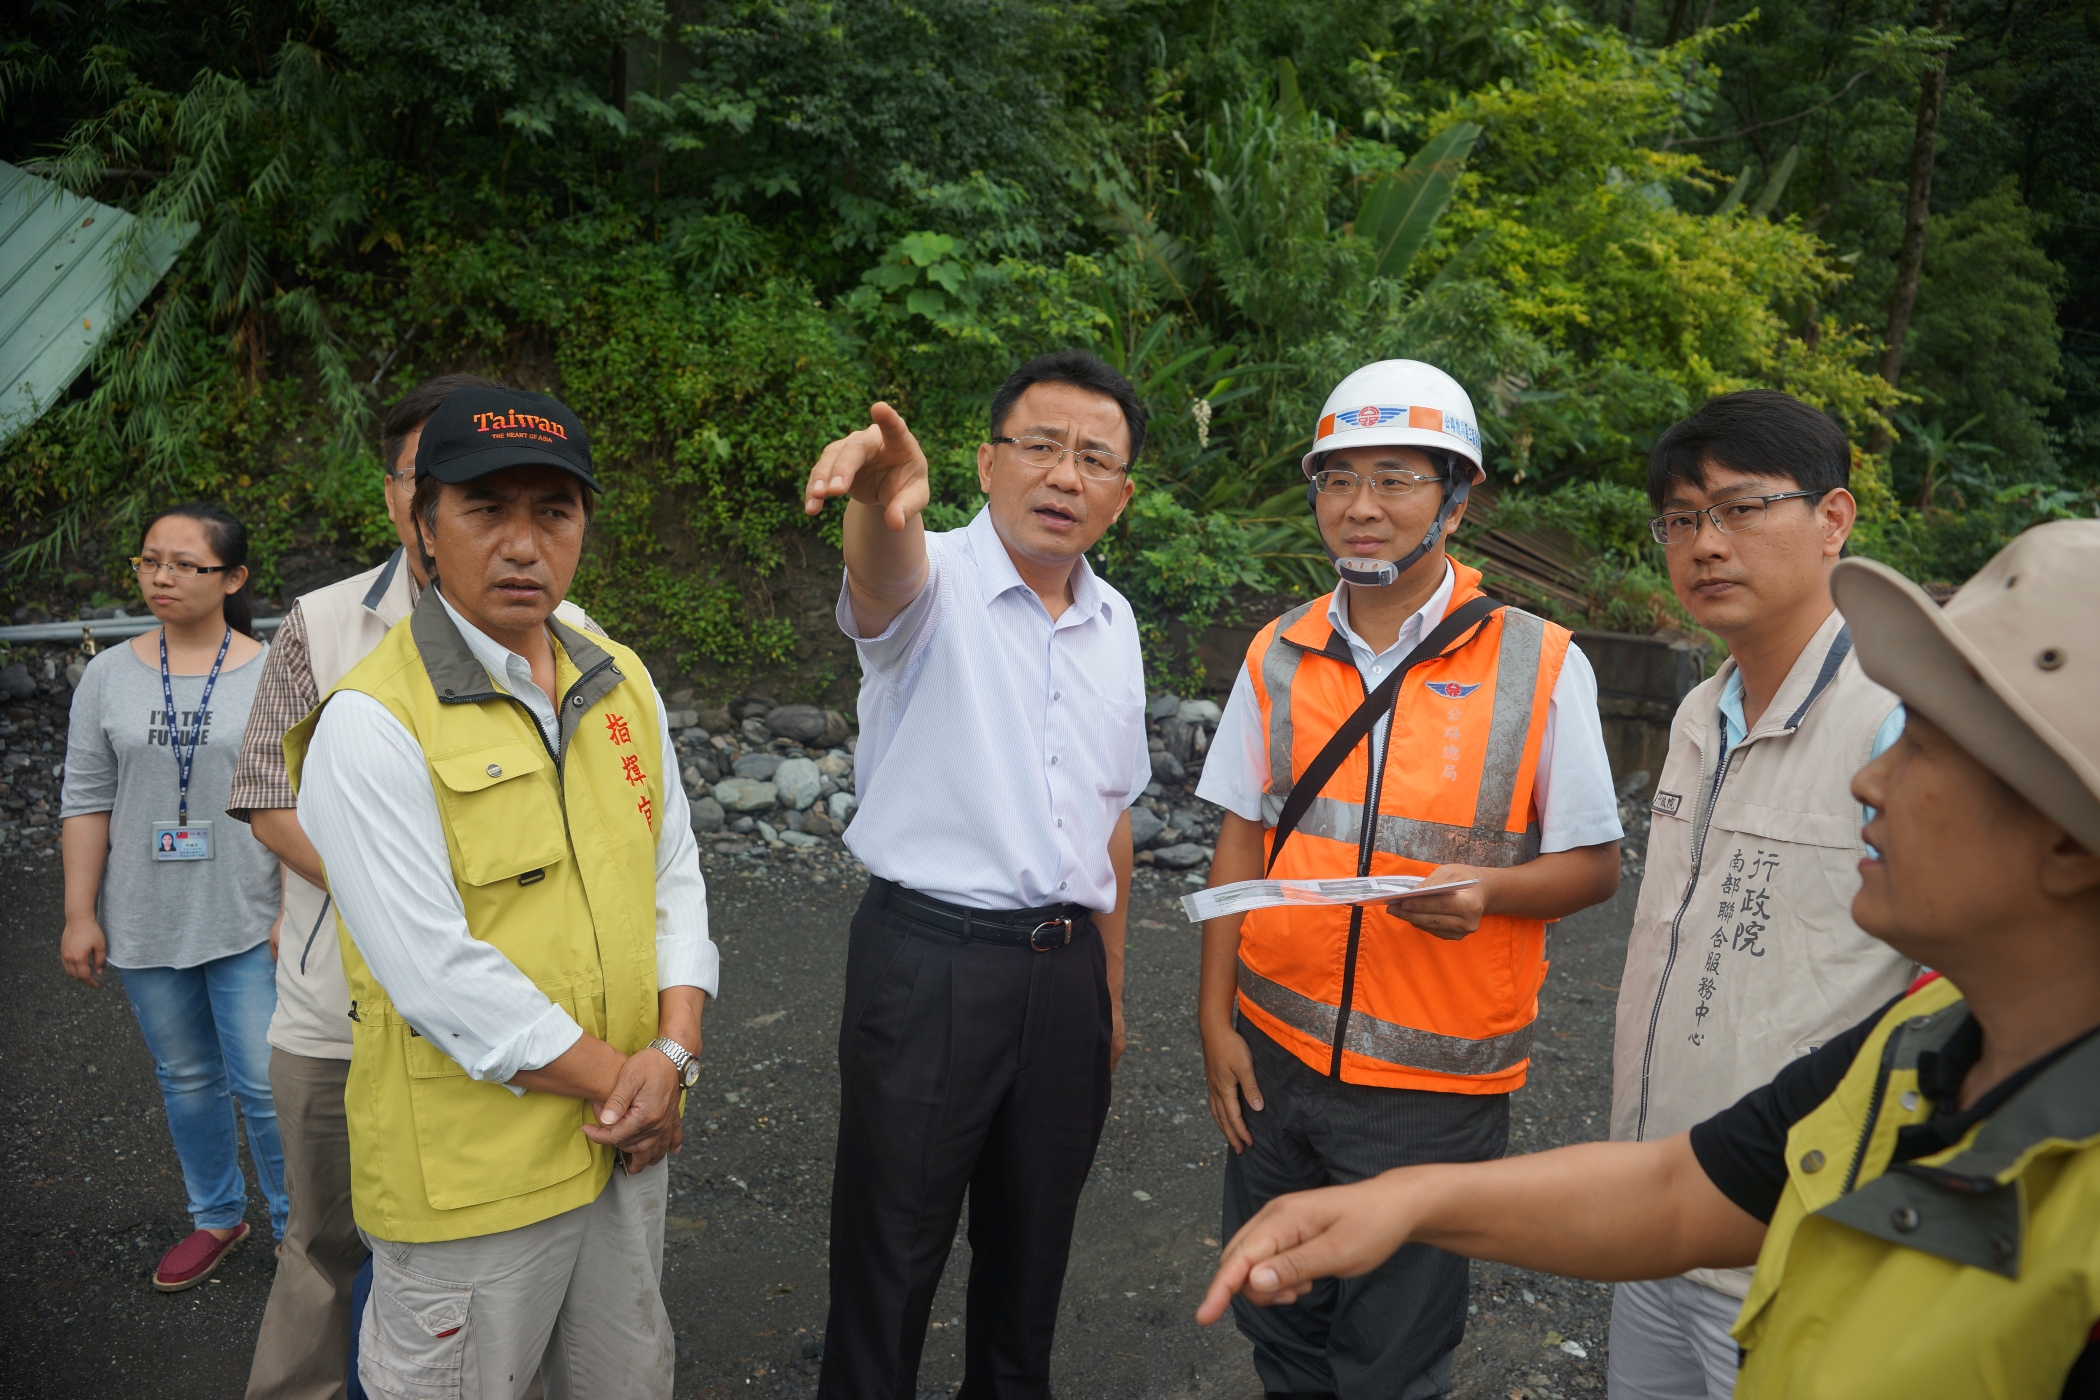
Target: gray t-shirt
x=118 y=760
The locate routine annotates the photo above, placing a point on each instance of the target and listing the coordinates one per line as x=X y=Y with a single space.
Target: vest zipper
x=1881 y=1086
x=1691 y=887
x=1366 y=842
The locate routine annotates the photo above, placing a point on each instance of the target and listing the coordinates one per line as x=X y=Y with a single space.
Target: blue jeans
x=205 y=1026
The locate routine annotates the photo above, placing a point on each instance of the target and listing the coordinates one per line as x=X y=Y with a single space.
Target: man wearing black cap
x=524 y=933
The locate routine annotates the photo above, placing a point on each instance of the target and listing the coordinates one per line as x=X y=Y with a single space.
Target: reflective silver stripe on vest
x=1434 y=842
x=1488 y=842
x=1386 y=1041
x=1279 y=667
x=1516 y=682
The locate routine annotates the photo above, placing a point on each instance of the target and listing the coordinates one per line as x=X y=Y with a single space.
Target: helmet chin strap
x=1381 y=573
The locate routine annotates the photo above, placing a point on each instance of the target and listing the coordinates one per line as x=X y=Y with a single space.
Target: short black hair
x=415 y=408
x=1762 y=431
x=1082 y=369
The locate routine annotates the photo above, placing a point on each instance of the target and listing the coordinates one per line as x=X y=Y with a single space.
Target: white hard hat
x=1401 y=403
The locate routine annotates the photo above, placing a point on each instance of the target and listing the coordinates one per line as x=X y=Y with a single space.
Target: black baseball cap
x=476 y=431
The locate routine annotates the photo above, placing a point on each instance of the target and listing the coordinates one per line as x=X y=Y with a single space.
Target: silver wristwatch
x=683 y=1060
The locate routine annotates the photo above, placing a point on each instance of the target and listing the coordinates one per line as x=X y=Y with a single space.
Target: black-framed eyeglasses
x=1386 y=481
x=1732 y=517
x=1045 y=453
x=181 y=568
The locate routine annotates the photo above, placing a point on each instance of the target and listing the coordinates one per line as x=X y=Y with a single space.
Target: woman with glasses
x=180 y=905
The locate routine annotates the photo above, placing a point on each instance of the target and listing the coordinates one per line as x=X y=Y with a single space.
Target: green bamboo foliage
x=1401 y=208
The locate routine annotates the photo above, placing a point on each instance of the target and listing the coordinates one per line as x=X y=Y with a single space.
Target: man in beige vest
x=302 y=1352
x=1743 y=955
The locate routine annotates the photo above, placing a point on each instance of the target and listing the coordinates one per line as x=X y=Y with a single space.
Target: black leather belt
x=1044 y=930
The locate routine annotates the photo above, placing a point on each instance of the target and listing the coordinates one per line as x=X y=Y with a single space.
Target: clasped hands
x=641 y=1116
x=634 y=1099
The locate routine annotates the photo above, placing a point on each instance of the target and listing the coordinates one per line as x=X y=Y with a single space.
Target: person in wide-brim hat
x=1921 y=1194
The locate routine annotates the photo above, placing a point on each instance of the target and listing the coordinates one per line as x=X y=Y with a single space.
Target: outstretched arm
x=1599 y=1210
x=883 y=473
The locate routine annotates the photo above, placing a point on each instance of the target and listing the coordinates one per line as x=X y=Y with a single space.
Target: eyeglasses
x=1729 y=517
x=1390 y=481
x=1045 y=453
x=181 y=568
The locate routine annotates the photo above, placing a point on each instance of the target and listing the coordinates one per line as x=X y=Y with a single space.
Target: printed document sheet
x=1242 y=895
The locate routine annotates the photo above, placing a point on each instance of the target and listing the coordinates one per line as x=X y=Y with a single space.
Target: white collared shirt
x=1576 y=800
x=367 y=804
x=998 y=748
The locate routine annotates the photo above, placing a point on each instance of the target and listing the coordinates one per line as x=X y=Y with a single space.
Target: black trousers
x=1388 y=1335
x=962 y=1066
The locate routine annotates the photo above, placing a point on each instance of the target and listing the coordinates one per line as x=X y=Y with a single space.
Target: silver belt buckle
x=1035 y=935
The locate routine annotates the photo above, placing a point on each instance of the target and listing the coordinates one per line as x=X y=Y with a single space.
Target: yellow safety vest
x=555 y=862
x=1972 y=1272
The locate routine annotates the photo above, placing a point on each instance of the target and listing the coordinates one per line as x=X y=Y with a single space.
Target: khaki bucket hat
x=2010 y=668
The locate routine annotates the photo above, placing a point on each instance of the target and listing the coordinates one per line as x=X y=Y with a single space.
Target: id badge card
x=180 y=841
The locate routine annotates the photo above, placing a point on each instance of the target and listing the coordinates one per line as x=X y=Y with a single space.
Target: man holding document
x=1344 y=1040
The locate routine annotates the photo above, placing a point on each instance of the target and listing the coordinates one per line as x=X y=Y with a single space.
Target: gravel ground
x=94 y=1195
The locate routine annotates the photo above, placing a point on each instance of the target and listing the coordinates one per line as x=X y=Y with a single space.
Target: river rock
x=708 y=815
x=755 y=733
x=802 y=723
x=1179 y=737
x=817 y=822
x=841 y=805
x=1167 y=768
x=798 y=838
x=761 y=766
x=1144 y=826
x=751 y=706
x=835 y=765
x=1163 y=706
x=715 y=719
x=745 y=795
x=1181 y=856
x=1199 y=712
x=797 y=781
x=836 y=728
x=767 y=830
x=15 y=681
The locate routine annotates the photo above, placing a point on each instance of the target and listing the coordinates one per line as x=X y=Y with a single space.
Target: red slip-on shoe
x=191 y=1262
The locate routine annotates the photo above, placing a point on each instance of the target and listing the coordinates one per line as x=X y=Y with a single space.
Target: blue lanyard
x=185 y=757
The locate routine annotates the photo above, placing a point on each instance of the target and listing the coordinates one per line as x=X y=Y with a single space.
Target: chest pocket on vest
x=501 y=813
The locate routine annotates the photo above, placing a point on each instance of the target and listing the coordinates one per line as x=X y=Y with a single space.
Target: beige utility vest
x=344 y=622
x=554 y=857
x=1743 y=953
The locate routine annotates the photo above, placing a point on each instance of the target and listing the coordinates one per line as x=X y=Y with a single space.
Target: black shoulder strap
x=1375 y=705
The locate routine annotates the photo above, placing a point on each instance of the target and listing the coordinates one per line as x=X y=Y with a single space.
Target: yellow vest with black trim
x=555 y=861
x=1971 y=1272
x=1362 y=996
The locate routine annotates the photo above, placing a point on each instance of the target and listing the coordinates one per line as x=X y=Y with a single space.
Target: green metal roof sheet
x=64 y=286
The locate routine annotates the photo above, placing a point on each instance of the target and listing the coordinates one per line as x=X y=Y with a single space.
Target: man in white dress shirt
x=523 y=927
x=1002 y=743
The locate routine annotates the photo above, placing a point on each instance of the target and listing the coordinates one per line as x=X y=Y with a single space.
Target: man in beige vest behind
x=302 y=1352
x=1743 y=955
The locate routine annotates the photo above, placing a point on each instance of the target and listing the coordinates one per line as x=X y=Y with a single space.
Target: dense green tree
x=721 y=226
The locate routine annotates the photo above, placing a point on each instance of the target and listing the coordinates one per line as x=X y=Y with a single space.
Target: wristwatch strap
x=677 y=1054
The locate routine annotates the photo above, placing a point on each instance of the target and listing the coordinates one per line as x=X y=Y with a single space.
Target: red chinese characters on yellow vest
x=1388 y=1004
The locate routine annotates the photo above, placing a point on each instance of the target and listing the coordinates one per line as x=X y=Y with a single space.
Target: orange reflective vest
x=1381 y=1002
